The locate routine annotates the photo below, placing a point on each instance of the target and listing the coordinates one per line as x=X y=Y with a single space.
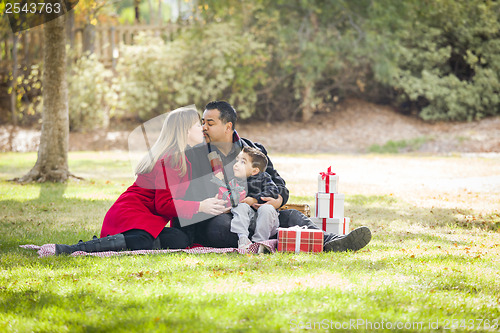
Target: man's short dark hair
x=259 y=160
x=227 y=112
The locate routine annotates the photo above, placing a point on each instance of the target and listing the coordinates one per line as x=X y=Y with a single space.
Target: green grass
x=395 y=147
x=422 y=266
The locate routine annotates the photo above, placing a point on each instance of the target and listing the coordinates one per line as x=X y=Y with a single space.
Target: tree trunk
x=307 y=104
x=137 y=3
x=160 y=16
x=70 y=25
x=13 y=95
x=52 y=162
x=88 y=38
x=151 y=16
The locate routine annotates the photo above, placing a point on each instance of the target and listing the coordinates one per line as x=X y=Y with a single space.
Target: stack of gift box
x=329 y=216
x=330 y=205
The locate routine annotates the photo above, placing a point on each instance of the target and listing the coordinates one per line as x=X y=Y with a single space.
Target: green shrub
x=216 y=61
x=276 y=60
x=448 y=60
x=28 y=94
x=91 y=94
x=92 y=97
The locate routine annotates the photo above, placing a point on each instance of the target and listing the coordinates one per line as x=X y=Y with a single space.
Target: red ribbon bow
x=325 y=175
x=328 y=173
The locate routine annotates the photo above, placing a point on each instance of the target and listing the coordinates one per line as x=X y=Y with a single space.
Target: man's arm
x=200 y=187
x=280 y=182
x=201 y=170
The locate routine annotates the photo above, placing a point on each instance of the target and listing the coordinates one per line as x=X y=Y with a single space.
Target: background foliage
x=216 y=60
x=448 y=59
x=276 y=60
x=92 y=94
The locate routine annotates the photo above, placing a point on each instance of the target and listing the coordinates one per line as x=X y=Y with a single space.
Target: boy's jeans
x=266 y=221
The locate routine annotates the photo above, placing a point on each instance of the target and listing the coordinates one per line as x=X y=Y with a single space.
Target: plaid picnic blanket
x=50 y=250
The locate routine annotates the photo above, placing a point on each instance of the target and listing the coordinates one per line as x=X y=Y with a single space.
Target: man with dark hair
x=219 y=119
x=227 y=114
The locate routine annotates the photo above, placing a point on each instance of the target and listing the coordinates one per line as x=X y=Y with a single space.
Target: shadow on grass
x=101 y=309
x=109 y=310
x=52 y=191
x=103 y=165
x=397 y=221
x=50 y=218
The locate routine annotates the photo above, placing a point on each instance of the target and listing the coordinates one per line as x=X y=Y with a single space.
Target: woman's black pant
x=170 y=238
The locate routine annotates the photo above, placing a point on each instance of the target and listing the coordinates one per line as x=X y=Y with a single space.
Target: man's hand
x=250 y=201
x=276 y=203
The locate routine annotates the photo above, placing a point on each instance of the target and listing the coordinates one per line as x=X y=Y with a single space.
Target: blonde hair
x=173 y=139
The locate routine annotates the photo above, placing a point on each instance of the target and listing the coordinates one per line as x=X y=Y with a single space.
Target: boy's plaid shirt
x=261 y=185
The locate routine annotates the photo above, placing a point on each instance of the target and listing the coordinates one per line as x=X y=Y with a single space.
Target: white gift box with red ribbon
x=328 y=182
x=330 y=205
x=333 y=225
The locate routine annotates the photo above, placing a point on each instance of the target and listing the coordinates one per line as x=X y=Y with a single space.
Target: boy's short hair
x=259 y=160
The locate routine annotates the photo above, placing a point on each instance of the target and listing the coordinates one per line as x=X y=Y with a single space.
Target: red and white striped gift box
x=330 y=205
x=298 y=239
x=333 y=225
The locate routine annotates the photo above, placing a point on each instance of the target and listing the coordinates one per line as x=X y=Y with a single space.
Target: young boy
x=251 y=164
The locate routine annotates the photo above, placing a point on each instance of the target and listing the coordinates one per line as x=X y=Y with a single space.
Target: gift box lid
x=336 y=196
x=297 y=229
x=330 y=219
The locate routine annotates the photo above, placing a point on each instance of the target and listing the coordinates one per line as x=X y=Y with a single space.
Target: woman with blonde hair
x=137 y=220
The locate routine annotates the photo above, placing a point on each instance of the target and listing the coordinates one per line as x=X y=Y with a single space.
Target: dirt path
x=355 y=125
x=352 y=128
x=445 y=182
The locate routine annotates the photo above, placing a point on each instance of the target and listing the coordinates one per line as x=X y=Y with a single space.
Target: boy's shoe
x=244 y=243
x=353 y=241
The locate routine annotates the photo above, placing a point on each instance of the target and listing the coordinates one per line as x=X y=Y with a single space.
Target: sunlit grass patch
x=395 y=147
x=360 y=199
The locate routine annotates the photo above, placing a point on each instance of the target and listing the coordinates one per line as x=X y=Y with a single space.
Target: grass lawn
x=433 y=263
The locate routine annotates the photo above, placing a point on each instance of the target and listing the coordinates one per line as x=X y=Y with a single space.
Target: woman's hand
x=212 y=206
